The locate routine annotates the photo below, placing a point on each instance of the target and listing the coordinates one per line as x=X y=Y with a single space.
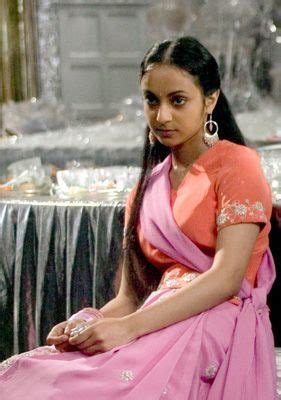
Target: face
x=174 y=105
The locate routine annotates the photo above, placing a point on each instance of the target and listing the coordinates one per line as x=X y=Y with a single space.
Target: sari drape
x=248 y=371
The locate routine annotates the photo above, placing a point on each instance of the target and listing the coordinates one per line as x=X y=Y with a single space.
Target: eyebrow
x=169 y=94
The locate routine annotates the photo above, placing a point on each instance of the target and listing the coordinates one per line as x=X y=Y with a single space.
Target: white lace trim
x=12 y=360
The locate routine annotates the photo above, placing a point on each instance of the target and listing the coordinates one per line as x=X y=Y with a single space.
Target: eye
x=151 y=99
x=178 y=100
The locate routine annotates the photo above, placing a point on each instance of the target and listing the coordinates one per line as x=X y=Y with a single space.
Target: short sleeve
x=243 y=193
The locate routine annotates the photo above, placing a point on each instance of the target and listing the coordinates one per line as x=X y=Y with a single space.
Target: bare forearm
x=220 y=283
x=203 y=293
x=118 y=307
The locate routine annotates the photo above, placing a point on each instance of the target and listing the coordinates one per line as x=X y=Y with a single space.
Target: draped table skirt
x=56 y=257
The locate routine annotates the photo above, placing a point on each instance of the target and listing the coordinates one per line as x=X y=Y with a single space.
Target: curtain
x=18 y=62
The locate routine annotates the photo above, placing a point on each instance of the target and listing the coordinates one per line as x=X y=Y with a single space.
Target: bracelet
x=87 y=314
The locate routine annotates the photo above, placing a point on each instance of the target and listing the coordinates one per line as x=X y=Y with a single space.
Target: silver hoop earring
x=210 y=138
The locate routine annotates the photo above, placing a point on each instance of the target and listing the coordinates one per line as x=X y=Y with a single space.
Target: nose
x=164 y=114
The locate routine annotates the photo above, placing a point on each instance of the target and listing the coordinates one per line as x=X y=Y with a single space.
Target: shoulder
x=238 y=160
x=237 y=155
x=240 y=171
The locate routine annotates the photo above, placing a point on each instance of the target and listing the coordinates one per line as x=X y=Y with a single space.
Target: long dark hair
x=190 y=55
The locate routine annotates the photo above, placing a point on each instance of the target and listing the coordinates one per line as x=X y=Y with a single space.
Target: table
x=58 y=256
x=55 y=257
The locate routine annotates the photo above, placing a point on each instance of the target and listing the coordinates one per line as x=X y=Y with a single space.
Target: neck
x=183 y=157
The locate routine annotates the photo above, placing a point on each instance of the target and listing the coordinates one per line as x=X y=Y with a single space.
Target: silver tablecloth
x=55 y=257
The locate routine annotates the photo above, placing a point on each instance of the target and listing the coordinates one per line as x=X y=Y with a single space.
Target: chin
x=167 y=142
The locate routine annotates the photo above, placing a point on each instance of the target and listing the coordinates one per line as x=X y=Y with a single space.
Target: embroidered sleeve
x=243 y=193
x=237 y=212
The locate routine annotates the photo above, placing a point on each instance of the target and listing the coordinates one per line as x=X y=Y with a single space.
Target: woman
x=190 y=320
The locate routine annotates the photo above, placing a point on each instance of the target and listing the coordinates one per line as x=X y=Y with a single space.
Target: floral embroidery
x=240 y=209
x=210 y=372
x=231 y=211
x=171 y=283
x=222 y=218
x=258 y=205
x=127 y=376
x=12 y=360
x=189 y=276
x=178 y=281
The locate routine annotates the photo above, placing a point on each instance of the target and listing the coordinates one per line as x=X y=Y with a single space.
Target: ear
x=211 y=101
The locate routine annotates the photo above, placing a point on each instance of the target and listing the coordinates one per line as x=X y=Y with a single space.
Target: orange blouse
x=224 y=186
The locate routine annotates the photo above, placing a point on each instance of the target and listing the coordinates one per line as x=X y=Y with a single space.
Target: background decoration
x=18 y=62
x=172 y=18
x=48 y=49
x=245 y=38
x=18 y=52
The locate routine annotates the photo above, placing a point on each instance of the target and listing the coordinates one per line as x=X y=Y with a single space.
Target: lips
x=165 y=132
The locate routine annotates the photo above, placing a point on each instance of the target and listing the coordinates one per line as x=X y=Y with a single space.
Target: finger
x=79 y=329
x=65 y=347
x=58 y=329
x=78 y=339
x=72 y=324
x=62 y=347
x=95 y=349
x=81 y=337
x=87 y=343
x=56 y=339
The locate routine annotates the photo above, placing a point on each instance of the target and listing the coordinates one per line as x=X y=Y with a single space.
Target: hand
x=59 y=335
x=103 y=335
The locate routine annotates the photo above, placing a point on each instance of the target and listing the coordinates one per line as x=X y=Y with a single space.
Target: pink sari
x=248 y=370
x=224 y=353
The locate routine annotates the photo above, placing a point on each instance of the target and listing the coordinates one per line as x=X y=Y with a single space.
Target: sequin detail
x=127 y=375
x=12 y=360
x=165 y=391
x=236 y=300
x=177 y=281
x=210 y=372
x=261 y=310
x=236 y=212
x=189 y=276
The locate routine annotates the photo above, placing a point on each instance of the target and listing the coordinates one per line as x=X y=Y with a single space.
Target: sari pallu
x=248 y=370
